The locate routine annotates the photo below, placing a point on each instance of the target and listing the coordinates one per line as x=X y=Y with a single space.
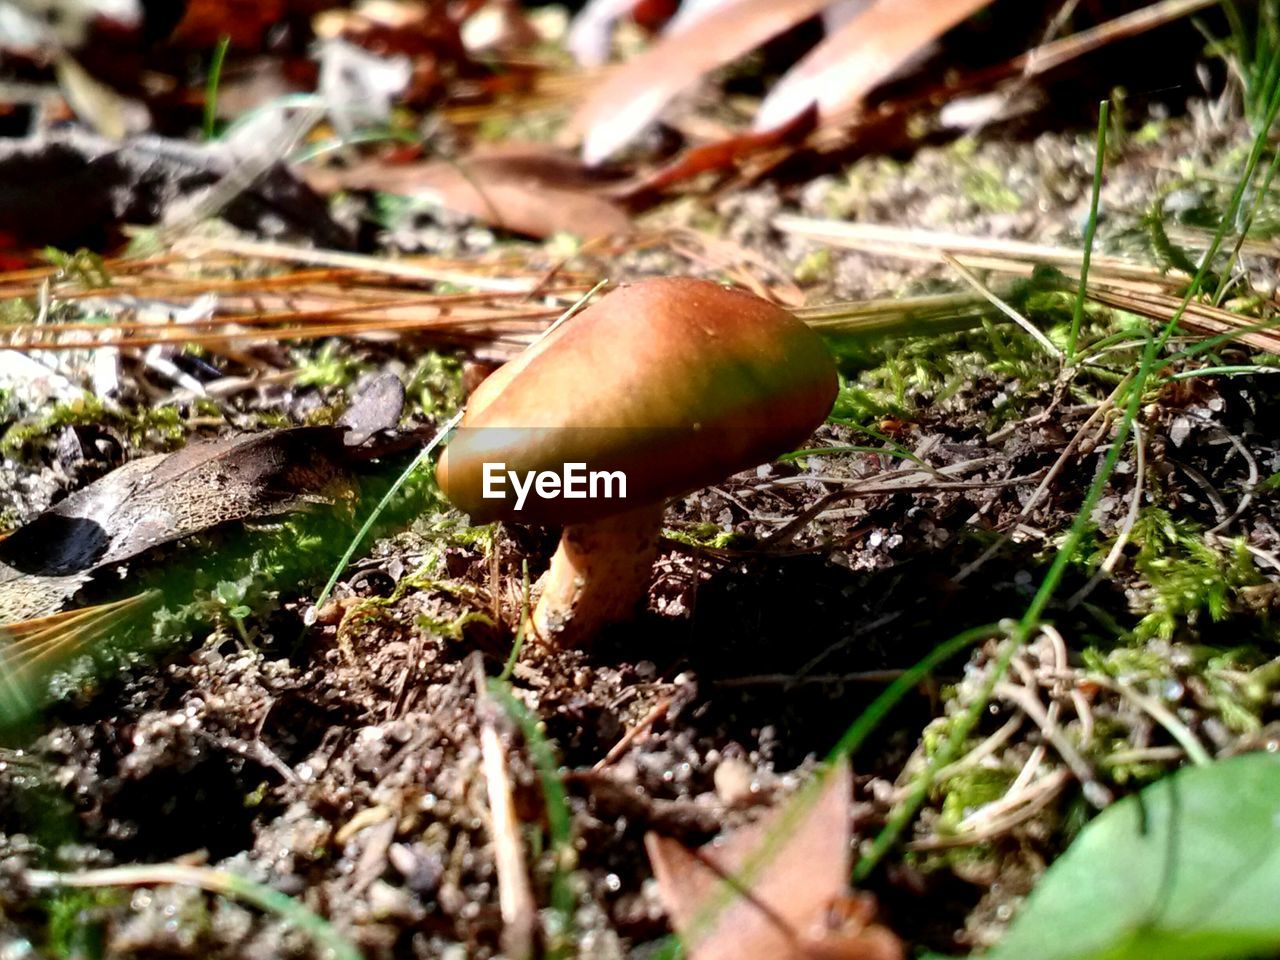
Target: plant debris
x=785 y=882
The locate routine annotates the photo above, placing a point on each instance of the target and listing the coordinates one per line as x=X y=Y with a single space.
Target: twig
x=515 y=899
x=1044 y=58
x=221 y=882
x=658 y=711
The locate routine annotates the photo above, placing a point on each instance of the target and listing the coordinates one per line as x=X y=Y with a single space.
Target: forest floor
x=341 y=763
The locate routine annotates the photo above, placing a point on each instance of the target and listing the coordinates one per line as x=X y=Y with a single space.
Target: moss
x=324 y=416
x=1237 y=685
x=17 y=310
x=435 y=385
x=707 y=535
x=985 y=186
x=870 y=176
x=1132 y=775
x=966 y=791
x=84 y=267
x=814 y=267
x=918 y=375
x=333 y=366
x=149 y=427
x=77 y=922
x=453 y=628
x=1126 y=661
x=1187 y=578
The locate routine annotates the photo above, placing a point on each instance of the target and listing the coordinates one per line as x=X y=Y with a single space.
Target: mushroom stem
x=598 y=575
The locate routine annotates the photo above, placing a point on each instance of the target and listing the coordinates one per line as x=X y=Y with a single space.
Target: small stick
x=618 y=749
x=515 y=899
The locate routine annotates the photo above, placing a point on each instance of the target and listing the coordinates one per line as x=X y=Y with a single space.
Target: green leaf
x=229 y=592
x=1189 y=869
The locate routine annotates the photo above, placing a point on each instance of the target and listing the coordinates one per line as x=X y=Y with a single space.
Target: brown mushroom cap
x=677 y=383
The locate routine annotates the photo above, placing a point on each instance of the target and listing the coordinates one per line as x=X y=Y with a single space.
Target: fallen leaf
x=770 y=891
x=1187 y=869
x=723 y=156
x=244 y=23
x=873 y=45
x=524 y=188
x=166 y=497
x=159 y=499
x=637 y=93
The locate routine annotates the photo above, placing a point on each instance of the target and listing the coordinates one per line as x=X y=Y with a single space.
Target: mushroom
x=673 y=383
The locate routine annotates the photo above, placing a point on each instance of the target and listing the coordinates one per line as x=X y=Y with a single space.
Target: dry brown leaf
x=722 y=156
x=244 y=23
x=866 y=51
x=591 y=33
x=161 y=498
x=165 y=497
x=783 y=909
x=634 y=95
x=524 y=188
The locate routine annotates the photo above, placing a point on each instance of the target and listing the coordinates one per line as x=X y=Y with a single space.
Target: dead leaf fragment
x=524 y=188
x=863 y=53
x=637 y=93
x=722 y=156
x=772 y=890
x=158 y=499
x=161 y=498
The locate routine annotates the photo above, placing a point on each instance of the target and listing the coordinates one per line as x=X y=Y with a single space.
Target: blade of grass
x=1226 y=370
x=1259 y=195
x=854 y=737
x=1036 y=334
x=514 y=657
x=211 y=85
x=1090 y=229
x=423 y=455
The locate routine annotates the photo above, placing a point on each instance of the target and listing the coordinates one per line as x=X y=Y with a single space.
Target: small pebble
x=734 y=781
